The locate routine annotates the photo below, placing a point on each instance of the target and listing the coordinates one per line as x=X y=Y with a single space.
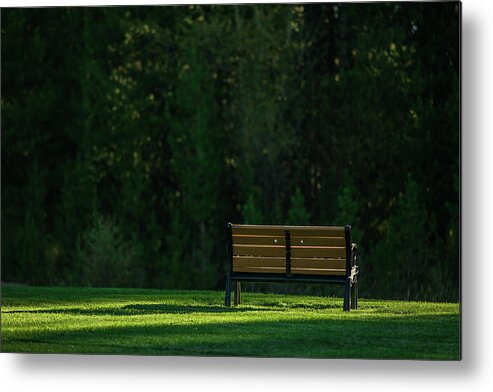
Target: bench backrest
x=303 y=250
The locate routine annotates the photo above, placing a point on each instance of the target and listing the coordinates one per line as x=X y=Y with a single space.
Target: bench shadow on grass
x=150 y=309
x=139 y=309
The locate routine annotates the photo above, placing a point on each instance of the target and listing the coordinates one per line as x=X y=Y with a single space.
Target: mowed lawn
x=164 y=322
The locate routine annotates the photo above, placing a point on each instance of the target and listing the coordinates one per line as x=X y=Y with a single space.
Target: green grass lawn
x=163 y=322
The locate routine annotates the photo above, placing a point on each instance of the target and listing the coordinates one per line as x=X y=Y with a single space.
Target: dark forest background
x=131 y=135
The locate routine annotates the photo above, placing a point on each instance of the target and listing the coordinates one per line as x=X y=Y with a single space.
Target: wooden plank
x=320 y=251
x=312 y=271
x=319 y=263
x=256 y=240
x=261 y=250
x=328 y=231
x=264 y=270
x=246 y=261
x=318 y=241
x=296 y=271
x=269 y=230
x=295 y=240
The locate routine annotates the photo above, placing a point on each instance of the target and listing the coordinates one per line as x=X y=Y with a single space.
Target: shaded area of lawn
x=153 y=322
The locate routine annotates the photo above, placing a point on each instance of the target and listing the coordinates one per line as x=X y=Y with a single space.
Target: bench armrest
x=354 y=253
x=354 y=267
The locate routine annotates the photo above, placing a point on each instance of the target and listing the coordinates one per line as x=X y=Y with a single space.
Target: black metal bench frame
x=349 y=280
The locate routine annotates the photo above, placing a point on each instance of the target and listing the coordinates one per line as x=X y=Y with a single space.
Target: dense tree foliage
x=131 y=135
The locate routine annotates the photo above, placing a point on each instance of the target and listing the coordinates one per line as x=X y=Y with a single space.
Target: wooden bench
x=292 y=254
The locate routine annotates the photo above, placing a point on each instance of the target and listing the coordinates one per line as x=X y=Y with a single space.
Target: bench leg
x=354 y=295
x=237 y=293
x=346 y=295
x=227 y=298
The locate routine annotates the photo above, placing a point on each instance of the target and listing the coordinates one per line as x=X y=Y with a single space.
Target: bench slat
x=296 y=271
x=264 y=270
x=262 y=250
x=318 y=264
x=266 y=230
x=296 y=251
x=295 y=240
x=257 y=240
x=318 y=241
x=323 y=252
x=312 y=271
x=246 y=261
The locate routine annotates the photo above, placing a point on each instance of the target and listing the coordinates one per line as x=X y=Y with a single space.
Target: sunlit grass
x=163 y=322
